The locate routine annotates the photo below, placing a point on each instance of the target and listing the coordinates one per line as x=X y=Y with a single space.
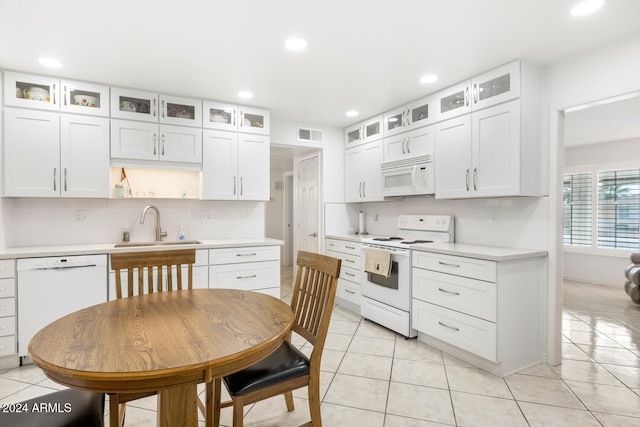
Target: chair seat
x=286 y=363
x=64 y=408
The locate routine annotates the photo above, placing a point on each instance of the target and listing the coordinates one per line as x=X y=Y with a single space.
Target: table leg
x=178 y=406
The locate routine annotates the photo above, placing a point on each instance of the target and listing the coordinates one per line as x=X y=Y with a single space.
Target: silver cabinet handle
x=408 y=117
x=475 y=179
x=234 y=185
x=349 y=291
x=65 y=179
x=409 y=145
x=404 y=140
x=253 y=276
x=466 y=96
x=350 y=247
x=476 y=93
x=449 y=292
x=449 y=327
x=349 y=274
x=241 y=186
x=154 y=107
x=364 y=192
x=313 y=235
x=155 y=144
x=448 y=264
x=248 y=254
x=360 y=189
x=467 y=179
x=163 y=109
x=55 y=172
x=64 y=97
x=162 y=148
x=55 y=101
x=349 y=260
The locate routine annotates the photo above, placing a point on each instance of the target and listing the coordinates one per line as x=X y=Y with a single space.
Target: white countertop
x=106 y=248
x=491 y=253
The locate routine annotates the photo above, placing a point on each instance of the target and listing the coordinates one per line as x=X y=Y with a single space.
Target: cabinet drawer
x=468 y=267
x=8 y=345
x=248 y=276
x=330 y=245
x=7 y=307
x=350 y=274
x=7 y=268
x=349 y=247
x=349 y=291
x=248 y=254
x=469 y=333
x=7 y=288
x=469 y=296
x=7 y=326
x=350 y=261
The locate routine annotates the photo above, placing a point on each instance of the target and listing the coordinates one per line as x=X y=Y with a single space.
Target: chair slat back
x=150 y=262
x=313 y=296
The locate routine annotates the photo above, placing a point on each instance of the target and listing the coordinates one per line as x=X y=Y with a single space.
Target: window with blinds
x=577 y=209
x=618 y=208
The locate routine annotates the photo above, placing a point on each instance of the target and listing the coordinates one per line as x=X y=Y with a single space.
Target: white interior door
x=308 y=204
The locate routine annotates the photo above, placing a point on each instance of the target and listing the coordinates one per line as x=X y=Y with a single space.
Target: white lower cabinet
x=255 y=268
x=7 y=308
x=348 y=293
x=486 y=312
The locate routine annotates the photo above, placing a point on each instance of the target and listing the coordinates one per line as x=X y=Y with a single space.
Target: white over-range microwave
x=408 y=177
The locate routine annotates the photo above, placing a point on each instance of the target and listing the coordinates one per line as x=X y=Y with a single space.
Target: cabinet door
x=134 y=140
x=496 y=86
x=496 y=150
x=253 y=167
x=373 y=129
x=394 y=122
x=180 y=111
x=453 y=158
x=219 y=165
x=180 y=144
x=453 y=101
x=353 y=177
x=420 y=113
x=353 y=135
x=84 y=156
x=134 y=105
x=31 y=91
x=32 y=153
x=372 y=185
x=420 y=141
x=395 y=147
x=84 y=98
x=220 y=116
x=254 y=120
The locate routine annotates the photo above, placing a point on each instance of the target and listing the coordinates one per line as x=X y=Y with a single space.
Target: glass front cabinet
x=220 y=116
x=417 y=114
x=367 y=131
x=31 y=91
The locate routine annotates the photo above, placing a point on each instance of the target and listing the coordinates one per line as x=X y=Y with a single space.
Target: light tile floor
x=373 y=377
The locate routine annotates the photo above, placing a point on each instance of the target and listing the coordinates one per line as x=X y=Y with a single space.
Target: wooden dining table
x=166 y=342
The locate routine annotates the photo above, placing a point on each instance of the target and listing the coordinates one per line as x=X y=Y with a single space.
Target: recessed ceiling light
x=50 y=62
x=352 y=113
x=245 y=94
x=296 y=44
x=429 y=78
x=586 y=7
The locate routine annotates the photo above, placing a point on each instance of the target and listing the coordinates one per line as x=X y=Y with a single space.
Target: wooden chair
x=77 y=408
x=288 y=368
x=155 y=265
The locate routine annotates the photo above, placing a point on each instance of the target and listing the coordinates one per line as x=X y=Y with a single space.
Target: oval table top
x=161 y=340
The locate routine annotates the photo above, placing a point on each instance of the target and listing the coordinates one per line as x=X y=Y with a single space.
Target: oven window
x=388 y=282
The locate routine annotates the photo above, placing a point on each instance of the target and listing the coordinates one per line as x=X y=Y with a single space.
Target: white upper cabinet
x=363 y=132
x=220 y=116
x=363 y=178
x=31 y=91
x=84 y=98
x=180 y=111
x=412 y=116
x=253 y=120
x=134 y=105
x=496 y=86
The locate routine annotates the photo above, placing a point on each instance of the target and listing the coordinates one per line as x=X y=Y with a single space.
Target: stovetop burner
x=386 y=239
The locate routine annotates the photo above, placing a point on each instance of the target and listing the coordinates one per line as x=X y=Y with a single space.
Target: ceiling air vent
x=313 y=135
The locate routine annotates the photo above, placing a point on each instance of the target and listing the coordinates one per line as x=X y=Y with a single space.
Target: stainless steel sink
x=163 y=243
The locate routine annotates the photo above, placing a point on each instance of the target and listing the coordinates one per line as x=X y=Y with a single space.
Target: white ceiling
x=362 y=54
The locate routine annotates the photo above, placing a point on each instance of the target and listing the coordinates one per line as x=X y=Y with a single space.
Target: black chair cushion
x=286 y=363
x=65 y=408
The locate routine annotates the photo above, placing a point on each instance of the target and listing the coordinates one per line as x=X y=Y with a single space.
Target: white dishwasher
x=50 y=288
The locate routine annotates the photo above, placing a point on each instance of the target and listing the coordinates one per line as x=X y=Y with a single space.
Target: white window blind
x=618 y=208
x=577 y=209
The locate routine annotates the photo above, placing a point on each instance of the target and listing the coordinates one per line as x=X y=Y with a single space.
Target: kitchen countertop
x=491 y=253
x=106 y=248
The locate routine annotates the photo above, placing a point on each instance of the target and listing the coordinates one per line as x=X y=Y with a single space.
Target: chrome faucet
x=159 y=233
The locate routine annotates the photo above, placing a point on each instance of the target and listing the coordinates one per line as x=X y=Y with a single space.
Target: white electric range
x=387 y=300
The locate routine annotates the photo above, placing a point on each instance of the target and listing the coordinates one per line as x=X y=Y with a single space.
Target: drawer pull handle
x=448 y=292
x=349 y=274
x=349 y=247
x=449 y=327
x=247 y=277
x=448 y=264
x=349 y=292
x=251 y=254
x=350 y=260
